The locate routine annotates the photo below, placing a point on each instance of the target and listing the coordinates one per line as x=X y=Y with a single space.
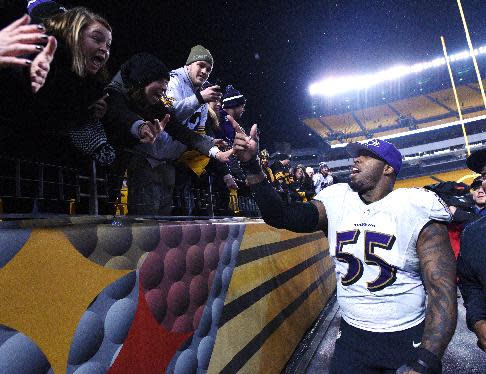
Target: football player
x=389 y=246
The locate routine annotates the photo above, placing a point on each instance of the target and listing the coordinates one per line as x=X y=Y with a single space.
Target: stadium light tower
x=334 y=86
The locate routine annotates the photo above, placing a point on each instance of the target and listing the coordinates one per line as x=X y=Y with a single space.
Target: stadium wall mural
x=93 y=296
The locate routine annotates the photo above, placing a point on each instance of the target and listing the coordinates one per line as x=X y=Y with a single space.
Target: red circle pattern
x=177 y=276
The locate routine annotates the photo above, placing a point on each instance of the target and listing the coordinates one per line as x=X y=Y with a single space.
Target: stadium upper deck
x=347 y=111
x=399 y=116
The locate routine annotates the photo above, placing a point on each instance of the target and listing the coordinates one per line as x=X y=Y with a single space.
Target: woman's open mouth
x=98 y=62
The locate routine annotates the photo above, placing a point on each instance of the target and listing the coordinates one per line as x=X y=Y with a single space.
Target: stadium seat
x=419 y=108
x=315 y=125
x=437 y=122
x=344 y=123
x=376 y=117
x=390 y=132
x=469 y=98
x=475 y=114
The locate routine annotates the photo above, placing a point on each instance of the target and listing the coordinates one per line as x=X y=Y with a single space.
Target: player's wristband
x=252 y=166
x=427 y=362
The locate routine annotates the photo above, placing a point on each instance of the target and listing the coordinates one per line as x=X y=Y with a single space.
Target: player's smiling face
x=366 y=172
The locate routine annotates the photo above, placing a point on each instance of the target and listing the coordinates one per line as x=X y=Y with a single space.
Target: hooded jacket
x=187 y=107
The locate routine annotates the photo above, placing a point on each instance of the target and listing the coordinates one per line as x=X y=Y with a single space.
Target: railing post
x=211 y=200
x=93 y=190
x=60 y=181
x=18 y=191
x=40 y=191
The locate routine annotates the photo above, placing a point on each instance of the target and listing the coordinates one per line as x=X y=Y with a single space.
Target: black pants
x=365 y=352
x=150 y=189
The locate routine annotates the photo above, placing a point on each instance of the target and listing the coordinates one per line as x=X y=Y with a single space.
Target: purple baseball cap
x=381 y=149
x=41 y=9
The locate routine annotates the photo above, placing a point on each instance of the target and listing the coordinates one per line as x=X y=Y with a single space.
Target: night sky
x=272 y=50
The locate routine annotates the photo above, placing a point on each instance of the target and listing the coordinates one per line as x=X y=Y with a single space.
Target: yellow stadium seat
x=419 y=108
x=376 y=117
x=344 y=123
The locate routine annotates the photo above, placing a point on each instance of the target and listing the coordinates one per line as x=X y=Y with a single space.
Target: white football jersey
x=379 y=286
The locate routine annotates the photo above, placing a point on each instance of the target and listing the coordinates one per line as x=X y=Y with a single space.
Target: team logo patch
x=373 y=143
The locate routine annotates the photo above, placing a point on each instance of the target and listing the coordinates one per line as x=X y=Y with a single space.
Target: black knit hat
x=477 y=160
x=476 y=183
x=232 y=98
x=142 y=69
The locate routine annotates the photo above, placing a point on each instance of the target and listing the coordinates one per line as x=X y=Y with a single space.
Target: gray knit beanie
x=199 y=53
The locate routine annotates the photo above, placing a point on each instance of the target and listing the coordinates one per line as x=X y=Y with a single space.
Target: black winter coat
x=471 y=270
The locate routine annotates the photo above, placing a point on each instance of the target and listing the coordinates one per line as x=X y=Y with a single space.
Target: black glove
x=426 y=363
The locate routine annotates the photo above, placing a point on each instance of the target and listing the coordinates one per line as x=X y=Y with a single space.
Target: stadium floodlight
x=334 y=86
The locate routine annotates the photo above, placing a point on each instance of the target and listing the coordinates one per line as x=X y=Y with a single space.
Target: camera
x=217 y=82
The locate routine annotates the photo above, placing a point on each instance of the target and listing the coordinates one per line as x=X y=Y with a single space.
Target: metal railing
x=31 y=188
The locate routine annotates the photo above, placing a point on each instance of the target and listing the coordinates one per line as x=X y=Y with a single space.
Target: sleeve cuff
x=213 y=151
x=200 y=98
x=135 y=127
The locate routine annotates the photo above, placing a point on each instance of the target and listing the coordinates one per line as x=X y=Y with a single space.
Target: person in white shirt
x=323 y=178
x=309 y=171
x=389 y=247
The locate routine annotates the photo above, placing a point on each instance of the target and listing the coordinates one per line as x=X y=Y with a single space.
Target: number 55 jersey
x=379 y=285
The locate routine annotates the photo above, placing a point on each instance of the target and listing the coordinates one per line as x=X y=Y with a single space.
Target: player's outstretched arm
x=298 y=217
x=438 y=268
